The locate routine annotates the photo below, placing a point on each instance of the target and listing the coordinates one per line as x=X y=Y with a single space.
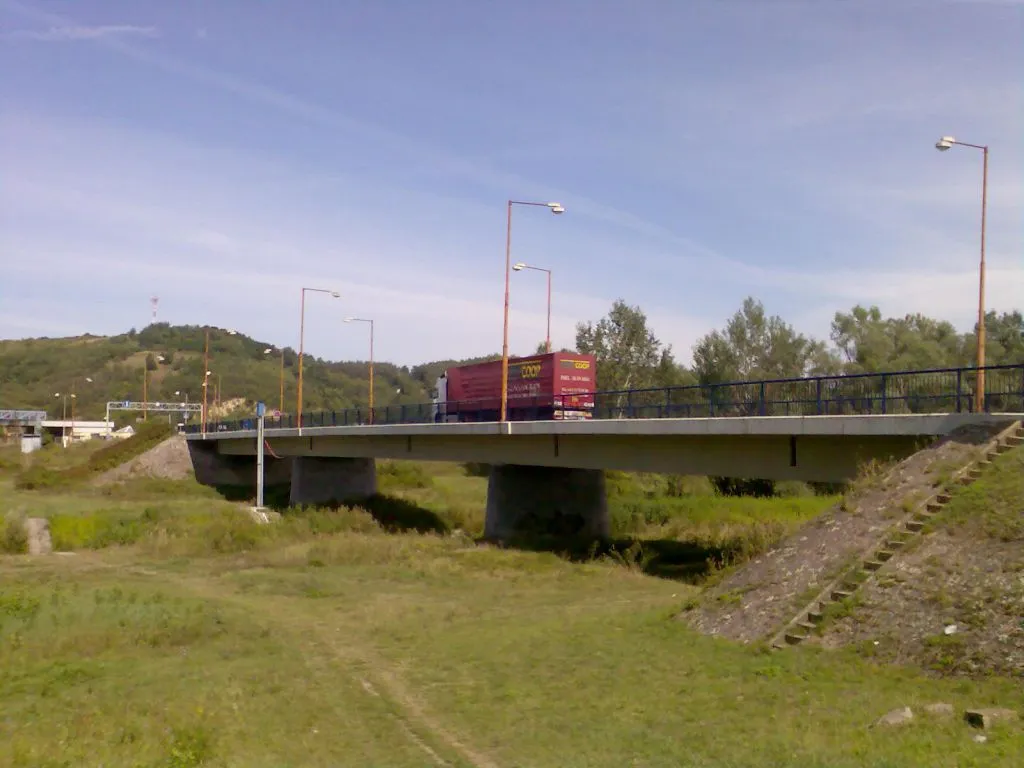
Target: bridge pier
x=326 y=480
x=546 y=501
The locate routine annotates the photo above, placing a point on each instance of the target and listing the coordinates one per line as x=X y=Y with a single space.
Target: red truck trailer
x=557 y=385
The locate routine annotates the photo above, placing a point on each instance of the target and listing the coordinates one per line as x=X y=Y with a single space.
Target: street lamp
x=943 y=144
x=206 y=365
x=555 y=208
x=364 y=320
x=74 y=396
x=63 y=420
x=302 y=336
x=520 y=266
x=267 y=351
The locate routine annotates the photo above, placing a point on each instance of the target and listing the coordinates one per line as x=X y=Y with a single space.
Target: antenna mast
x=154 y=301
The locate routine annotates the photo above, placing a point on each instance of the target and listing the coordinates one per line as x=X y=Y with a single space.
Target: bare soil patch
x=169 y=460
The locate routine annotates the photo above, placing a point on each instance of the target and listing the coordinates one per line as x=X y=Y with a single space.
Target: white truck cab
x=439 y=397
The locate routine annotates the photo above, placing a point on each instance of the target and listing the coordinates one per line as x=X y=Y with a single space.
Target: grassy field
x=181 y=633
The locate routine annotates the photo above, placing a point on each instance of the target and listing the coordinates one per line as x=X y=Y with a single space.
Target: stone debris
x=984 y=718
x=900 y=716
x=37 y=529
x=939 y=709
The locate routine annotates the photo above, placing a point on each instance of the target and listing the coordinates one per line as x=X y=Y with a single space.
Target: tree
x=755 y=346
x=629 y=355
x=870 y=343
x=150 y=362
x=1004 y=338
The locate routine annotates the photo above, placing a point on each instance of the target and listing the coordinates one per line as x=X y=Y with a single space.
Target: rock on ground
x=38 y=531
x=984 y=718
x=900 y=716
x=939 y=709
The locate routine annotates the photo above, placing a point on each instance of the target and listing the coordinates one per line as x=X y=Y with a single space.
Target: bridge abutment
x=326 y=480
x=547 y=501
x=221 y=470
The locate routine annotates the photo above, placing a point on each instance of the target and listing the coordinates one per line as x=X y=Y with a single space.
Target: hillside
x=171 y=359
x=943 y=590
x=954 y=604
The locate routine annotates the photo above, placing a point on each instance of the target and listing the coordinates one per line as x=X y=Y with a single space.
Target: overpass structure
x=819 y=429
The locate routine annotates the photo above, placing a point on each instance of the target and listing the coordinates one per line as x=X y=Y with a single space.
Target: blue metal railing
x=939 y=390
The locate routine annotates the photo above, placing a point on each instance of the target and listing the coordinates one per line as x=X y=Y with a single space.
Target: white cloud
x=73 y=33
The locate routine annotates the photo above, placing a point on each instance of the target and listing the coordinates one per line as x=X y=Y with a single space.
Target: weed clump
x=13 y=536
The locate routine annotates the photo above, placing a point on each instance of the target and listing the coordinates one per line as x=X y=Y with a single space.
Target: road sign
x=261 y=409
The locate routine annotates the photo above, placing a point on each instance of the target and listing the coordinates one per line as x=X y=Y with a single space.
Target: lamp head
x=556 y=207
x=88 y=379
x=519 y=266
x=349 y=319
x=945 y=143
x=335 y=295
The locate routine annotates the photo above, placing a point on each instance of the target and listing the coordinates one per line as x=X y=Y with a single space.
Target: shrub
x=13 y=537
x=402 y=476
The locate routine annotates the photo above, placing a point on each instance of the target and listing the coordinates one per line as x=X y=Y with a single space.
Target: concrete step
x=1015 y=440
x=914 y=525
x=884 y=555
x=815 y=617
x=792 y=638
x=872 y=565
x=895 y=544
x=944 y=497
x=841 y=594
x=805 y=625
x=934 y=506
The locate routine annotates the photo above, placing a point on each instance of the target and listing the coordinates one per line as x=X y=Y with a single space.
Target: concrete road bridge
x=816 y=429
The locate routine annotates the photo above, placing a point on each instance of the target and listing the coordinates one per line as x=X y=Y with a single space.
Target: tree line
x=753 y=345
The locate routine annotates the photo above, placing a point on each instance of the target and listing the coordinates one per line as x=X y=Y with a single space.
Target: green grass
x=991 y=506
x=182 y=633
x=357 y=648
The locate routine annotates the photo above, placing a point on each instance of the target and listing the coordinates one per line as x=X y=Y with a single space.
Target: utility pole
x=261 y=411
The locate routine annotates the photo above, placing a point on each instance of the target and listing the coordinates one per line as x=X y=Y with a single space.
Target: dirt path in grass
x=374 y=675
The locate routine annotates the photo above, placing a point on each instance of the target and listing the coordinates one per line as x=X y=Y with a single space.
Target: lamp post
x=555 y=208
x=206 y=371
x=179 y=393
x=370 y=321
x=946 y=142
x=302 y=337
x=63 y=420
x=74 y=396
x=267 y=351
x=518 y=267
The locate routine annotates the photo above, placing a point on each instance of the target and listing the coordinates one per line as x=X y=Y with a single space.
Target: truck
x=551 y=386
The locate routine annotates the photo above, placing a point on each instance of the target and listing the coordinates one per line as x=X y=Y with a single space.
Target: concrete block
x=546 y=501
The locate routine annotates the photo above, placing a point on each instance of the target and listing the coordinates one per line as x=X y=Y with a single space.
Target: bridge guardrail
x=938 y=390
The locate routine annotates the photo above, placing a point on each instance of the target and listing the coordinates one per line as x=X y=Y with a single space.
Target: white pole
x=260 y=412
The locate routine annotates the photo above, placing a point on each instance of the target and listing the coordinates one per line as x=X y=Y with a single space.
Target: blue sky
x=222 y=155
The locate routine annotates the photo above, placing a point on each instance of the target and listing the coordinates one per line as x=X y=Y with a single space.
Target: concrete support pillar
x=324 y=480
x=545 y=501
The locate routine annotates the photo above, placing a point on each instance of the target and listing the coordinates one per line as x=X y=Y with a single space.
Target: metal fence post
x=818 y=382
x=885 y=380
x=761 y=405
x=959 y=388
